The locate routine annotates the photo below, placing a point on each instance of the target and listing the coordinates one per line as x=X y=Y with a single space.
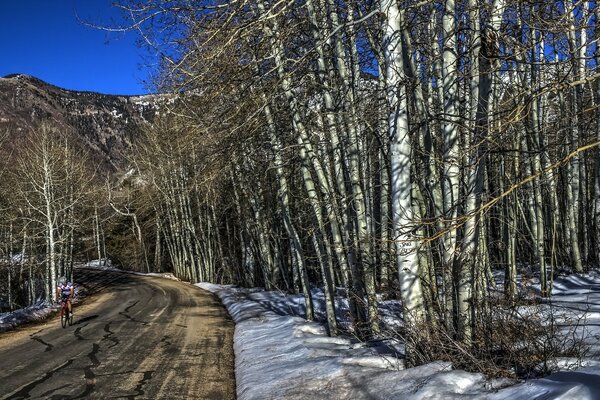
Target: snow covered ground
x=280 y=355
x=35 y=313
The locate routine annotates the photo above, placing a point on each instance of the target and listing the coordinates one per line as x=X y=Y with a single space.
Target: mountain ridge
x=105 y=124
x=33 y=78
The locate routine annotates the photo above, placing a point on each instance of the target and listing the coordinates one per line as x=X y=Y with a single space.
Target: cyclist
x=65 y=292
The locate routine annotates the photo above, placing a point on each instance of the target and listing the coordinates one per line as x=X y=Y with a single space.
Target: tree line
x=45 y=188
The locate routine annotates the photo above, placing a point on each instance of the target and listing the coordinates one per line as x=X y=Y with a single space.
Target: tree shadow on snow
x=589 y=381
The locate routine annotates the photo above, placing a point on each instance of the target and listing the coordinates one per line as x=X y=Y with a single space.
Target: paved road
x=137 y=338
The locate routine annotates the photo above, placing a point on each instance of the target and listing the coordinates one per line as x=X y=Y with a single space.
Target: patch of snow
x=287 y=357
x=166 y=275
x=116 y=114
x=107 y=265
x=104 y=264
x=35 y=313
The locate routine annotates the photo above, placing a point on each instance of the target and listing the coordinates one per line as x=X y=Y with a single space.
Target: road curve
x=138 y=338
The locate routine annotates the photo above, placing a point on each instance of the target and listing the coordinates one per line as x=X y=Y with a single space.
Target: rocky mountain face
x=105 y=125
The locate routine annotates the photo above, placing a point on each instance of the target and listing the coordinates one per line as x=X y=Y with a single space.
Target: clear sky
x=44 y=38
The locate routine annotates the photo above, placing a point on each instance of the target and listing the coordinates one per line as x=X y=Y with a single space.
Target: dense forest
x=414 y=149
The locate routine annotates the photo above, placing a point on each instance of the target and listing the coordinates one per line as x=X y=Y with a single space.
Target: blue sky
x=43 y=38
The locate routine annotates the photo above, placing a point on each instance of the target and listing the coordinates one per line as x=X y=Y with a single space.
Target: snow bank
x=165 y=275
x=35 y=313
x=107 y=265
x=287 y=357
x=583 y=384
x=103 y=264
x=280 y=355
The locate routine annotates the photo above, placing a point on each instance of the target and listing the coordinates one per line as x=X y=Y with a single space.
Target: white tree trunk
x=400 y=158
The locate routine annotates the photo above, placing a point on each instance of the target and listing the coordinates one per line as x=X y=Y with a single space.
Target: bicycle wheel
x=63 y=317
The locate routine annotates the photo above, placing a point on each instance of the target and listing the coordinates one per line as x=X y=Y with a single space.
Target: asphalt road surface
x=137 y=337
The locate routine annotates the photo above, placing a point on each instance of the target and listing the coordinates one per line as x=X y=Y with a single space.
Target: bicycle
x=66 y=317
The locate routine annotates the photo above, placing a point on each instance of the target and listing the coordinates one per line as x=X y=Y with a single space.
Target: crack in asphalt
x=40 y=340
x=131 y=306
x=90 y=377
x=129 y=317
x=77 y=332
x=140 y=386
x=125 y=313
x=23 y=393
x=108 y=336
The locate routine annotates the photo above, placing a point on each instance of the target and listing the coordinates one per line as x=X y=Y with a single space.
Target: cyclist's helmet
x=62 y=281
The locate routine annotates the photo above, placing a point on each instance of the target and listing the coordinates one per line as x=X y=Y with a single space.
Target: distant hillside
x=104 y=124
